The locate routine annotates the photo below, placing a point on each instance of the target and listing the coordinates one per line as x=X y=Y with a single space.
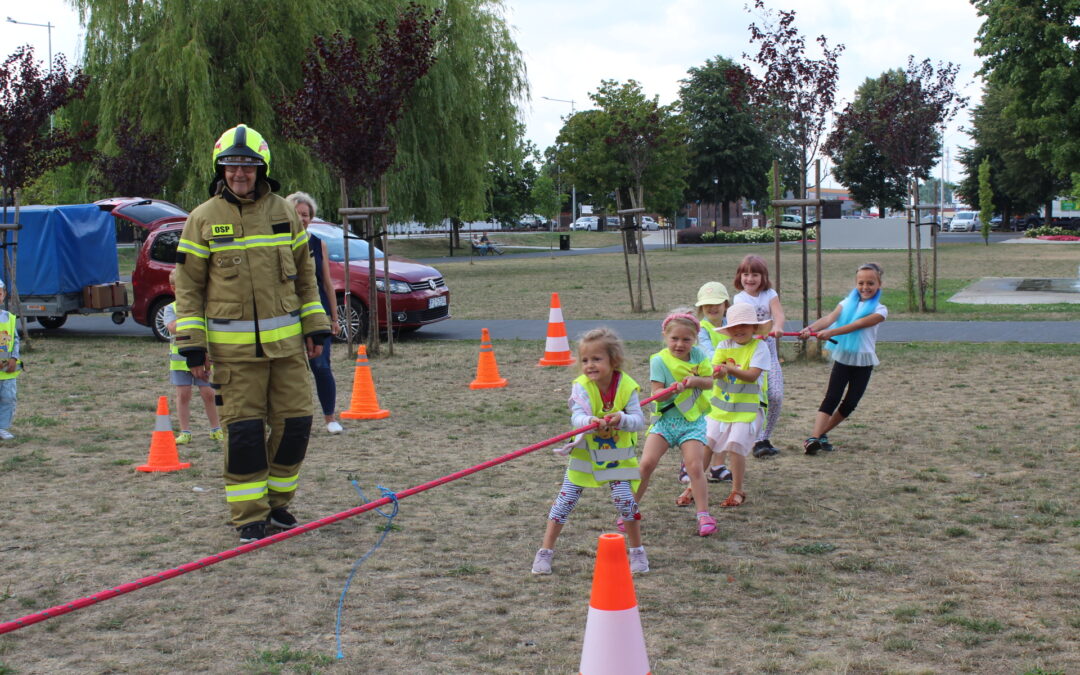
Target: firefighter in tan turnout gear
x=246 y=302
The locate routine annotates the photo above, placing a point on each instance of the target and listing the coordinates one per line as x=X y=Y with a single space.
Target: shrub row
x=698 y=235
x=1049 y=231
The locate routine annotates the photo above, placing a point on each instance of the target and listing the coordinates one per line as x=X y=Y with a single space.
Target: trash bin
x=564 y=242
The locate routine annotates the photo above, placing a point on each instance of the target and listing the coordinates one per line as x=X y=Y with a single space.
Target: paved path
x=1058 y=332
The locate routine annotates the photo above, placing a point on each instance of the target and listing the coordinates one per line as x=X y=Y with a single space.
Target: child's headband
x=689 y=317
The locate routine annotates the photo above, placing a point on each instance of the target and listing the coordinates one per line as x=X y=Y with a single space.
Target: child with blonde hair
x=739 y=395
x=755 y=289
x=680 y=416
x=852 y=326
x=712 y=303
x=603 y=394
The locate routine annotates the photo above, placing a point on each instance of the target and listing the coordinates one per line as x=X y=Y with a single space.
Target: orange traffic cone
x=557 y=348
x=363 y=405
x=614 y=641
x=163 y=455
x=487 y=371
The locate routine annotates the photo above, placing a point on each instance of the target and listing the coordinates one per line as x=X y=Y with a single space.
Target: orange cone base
x=173 y=467
x=557 y=360
x=373 y=415
x=477 y=384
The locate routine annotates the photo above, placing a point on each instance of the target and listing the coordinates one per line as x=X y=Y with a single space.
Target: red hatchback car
x=418 y=293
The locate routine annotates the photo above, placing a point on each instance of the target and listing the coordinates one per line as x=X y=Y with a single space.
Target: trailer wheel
x=52 y=322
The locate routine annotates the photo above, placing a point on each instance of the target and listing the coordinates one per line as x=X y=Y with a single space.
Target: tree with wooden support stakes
x=628 y=148
x=900 y=117
x=29 y=144
x=345 y=112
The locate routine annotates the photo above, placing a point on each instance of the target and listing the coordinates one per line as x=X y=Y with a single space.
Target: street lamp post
x=48 y=26
x=573 y=187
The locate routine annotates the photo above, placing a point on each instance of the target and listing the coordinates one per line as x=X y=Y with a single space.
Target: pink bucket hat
x=741 y=314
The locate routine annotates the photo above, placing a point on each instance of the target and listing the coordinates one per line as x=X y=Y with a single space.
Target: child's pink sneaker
x=706 y=525
x=620 y=525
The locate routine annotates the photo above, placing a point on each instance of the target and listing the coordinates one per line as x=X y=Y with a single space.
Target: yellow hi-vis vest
x=7 y=346
x=604 y=460
x=715 y=336
x=692 y=403
x=732 y=399
x=176 y=360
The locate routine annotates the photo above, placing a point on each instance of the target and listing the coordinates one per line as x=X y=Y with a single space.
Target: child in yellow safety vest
x=740 y=395
x=181 y=377
x=712 y=304
x=680 y=417
x=10 y=366
x=606 y=396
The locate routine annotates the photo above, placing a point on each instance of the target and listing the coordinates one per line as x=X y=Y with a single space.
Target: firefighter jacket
x=245 y=283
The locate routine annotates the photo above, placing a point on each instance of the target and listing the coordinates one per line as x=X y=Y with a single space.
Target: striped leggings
x=622 y=496
x=776 y=391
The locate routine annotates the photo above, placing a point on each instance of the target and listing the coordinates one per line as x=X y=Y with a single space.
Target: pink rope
x=108 y=594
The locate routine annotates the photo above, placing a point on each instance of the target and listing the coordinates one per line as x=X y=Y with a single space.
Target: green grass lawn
x=439 y=246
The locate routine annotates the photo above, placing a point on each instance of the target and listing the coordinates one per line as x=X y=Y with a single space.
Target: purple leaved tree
x=346 y=110
x=29 y=146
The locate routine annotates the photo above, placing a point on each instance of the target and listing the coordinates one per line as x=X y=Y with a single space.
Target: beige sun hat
x=741 y=314
x=712 y=293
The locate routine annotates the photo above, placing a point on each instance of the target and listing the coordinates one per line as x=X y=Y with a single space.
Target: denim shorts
x=184 y=378
x=676 y=430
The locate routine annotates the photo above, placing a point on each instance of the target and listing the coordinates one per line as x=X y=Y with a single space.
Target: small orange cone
x=614 y=641
x=557 y=348
x=487 y=371
x=363 y=405
x=163 y=455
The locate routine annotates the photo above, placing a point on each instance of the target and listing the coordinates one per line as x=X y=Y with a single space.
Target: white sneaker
x=639 y=562
x=542 y=561
x=334 y=427
x=6 y=435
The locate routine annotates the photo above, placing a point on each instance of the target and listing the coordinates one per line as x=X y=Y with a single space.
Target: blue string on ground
x=359 y=561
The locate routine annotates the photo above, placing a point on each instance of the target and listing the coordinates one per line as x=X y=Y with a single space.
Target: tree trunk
x=347 y=302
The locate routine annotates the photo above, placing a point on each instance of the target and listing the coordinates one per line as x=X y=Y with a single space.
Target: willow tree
x=188 y=70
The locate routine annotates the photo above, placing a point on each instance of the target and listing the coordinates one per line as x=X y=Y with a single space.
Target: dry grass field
x=943 y=536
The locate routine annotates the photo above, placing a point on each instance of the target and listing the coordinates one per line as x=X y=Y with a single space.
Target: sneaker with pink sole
x=706 y=525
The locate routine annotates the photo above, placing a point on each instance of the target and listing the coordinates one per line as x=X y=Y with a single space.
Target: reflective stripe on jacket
x=596 y=460
x=245 y=286
x=732 y=399
x=176 y=359
x=691 y=402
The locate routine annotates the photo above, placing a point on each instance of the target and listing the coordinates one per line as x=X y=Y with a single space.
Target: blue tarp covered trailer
x=61 y=249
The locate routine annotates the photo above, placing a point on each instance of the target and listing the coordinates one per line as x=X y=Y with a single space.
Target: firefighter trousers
x=262 y=474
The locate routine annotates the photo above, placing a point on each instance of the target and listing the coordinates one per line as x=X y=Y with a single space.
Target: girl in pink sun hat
x=740 y=394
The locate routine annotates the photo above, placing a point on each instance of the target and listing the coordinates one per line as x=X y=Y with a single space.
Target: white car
x=585 y=224
x=647 y=223
x=965 y=221
x=790 y=219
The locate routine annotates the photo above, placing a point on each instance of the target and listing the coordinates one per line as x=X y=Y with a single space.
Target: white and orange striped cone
x=487 y=370
x=614 y=642
x=163 y=455
x=557 y=348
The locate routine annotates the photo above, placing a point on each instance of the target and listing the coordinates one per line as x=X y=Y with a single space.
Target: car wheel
x=357 y=317
x=52 y=322
x=157 y=319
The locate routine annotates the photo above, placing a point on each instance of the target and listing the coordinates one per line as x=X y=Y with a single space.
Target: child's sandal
x=685 y=499
x=736 y=498
x=706 y=525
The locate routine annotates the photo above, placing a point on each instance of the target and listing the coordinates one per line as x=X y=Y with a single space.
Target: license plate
x=437 y=301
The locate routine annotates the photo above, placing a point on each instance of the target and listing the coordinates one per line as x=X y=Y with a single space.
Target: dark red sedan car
x=418 y=293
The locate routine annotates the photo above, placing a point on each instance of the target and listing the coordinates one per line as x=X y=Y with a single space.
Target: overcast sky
x=571 y=45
